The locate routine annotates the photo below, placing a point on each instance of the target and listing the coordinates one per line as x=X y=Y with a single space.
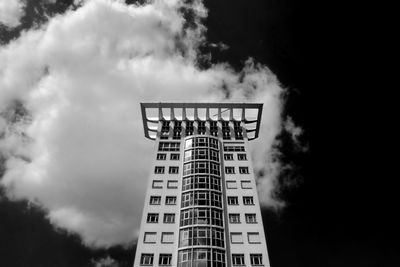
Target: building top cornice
x=248 y=113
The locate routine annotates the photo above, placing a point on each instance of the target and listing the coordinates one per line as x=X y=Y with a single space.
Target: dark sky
x=342 y=211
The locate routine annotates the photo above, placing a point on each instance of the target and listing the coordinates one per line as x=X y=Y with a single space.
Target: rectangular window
x=155 y=200
x=245 y=184
x=159 y=169
x=241 y=156
x=214 y=143
x=248 y=201
x=238 y=259
x=165 y=259
x=172 y=184
x=174 y=156
x=253 y=238
x=236 y=238
x=228 y=156
x=157 y=184
x=173 y=170
x=150 y=237
x=214 y=155
x=167 y=237
x=251 y=218
x=233 y=148
x=170 y=200
x=234 y=218
x=146 y=259
x=214 y=168
x=233 y=201
x=168 y=146
x=161 y=156
x=243 y=170
x=229 y=170
x=256 y=259
x=231 y=184
x=152 y=218
x=169 y=218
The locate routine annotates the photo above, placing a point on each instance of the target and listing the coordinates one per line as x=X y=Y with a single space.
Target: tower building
x=201 y=208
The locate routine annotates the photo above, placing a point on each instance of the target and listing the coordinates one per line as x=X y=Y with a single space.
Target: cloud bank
x=70 y=124
x=11 y=12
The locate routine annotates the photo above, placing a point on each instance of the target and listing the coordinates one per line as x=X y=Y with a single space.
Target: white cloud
x=105 y=262
x=81 y=154
x=11 y=12
x=295 y=132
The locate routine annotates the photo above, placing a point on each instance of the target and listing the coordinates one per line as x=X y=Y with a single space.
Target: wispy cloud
x=78 y=148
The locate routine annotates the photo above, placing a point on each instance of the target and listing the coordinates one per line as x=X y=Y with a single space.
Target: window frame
x=237 y=234
x=169 y=259
x=174 y=156
x=230 y=182
x=142 y=258
x=169 y=215
x=170 y=197
x=242 y=156
x=245 y=184
x=231 y=198
x=248 y=197
x=244 y=170
x=167 y=233
x=173 y=170
x=169 y=182
x=161 y=156
x=169 y=146
x=241 y=257
x=148 y=233
x=154 y=186
x=159 y=170
x=233 y=217
x=229 y=170
x=253 y=256
x=251 y=215
x=228 y=156
x=256 y=234
x=155 y=197
x=156 y=216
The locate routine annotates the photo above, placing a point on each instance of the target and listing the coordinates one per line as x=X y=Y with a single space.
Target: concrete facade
x=201 y=208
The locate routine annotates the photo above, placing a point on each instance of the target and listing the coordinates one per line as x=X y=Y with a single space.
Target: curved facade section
x=201 y=224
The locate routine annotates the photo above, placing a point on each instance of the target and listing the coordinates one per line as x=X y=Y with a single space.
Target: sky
x=72 y=75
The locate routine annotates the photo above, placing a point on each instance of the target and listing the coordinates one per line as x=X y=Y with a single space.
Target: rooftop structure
x=201 y=207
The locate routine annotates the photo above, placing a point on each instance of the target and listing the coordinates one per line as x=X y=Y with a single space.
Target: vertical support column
x=183 y=134
x=171 y=129
x=207 y=127
x=219 y=124
x=184 y=114
x=172 y=113
x=243 y=125
x=231 y=125
x=160 y=114
x=195 y=127
x=243 y=114
x=207 y=121
x=159 y=127
x=231 y=129
x=195 y=121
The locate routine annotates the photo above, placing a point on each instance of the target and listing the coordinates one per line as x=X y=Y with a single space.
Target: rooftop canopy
x=248 y=113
